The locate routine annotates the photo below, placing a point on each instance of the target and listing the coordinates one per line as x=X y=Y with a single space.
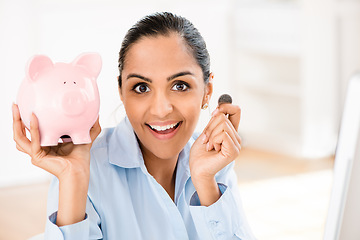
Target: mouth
x=164 y=131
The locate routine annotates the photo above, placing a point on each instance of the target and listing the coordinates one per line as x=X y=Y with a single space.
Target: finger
x=219 y=123
x=215 y=144
x=23 y=128
x=20 y=148
x=214 y=121
x=233 y=111
x=19 y=132
x=206 y=130
x=217 y=147
x=224 y=125
x=199 y=142
x=95 y=130
x=229 y=149
x=35 y=136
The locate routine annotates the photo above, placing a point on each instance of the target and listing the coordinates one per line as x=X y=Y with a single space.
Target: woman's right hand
x=63 y=160
x=68 y=162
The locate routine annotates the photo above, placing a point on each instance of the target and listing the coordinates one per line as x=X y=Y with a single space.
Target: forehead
x=160 y=55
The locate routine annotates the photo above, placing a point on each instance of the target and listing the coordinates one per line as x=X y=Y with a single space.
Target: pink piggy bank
x=63 y=96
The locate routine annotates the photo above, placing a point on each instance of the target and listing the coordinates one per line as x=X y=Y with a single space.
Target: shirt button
x=213 y=223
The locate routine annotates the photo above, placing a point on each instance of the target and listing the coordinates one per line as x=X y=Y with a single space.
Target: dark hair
x=163 y=24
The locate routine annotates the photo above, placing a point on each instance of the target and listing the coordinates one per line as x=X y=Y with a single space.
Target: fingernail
x=31 y=117
x=215 y=112
x=208 y=146
x=13 y=107
x=203 y=138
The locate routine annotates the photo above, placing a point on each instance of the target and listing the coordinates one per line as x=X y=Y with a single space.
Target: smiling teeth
x=163 y=128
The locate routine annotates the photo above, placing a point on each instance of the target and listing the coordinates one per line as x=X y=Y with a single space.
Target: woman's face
x=163 y=91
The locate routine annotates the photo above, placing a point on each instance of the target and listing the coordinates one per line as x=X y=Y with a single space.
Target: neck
x=163 y=170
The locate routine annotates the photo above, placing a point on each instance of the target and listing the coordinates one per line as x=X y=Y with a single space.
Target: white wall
x=64 y=29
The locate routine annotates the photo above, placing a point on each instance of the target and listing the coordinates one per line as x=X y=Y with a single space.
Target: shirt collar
x=124 y=149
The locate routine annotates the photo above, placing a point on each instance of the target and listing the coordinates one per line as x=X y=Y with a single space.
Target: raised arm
x=68 y=162
x=216 y=147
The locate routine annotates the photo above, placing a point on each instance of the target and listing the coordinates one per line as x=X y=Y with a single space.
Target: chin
x=162 y=151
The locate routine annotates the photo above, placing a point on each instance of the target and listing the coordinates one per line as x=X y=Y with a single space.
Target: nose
x=73 y=103
x=161 y=105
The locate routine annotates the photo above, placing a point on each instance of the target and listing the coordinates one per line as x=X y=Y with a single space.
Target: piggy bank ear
x=37 y=64
x=91 y=62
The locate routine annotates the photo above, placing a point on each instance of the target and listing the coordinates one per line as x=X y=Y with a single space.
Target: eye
x=141 y=88
x=180 y=86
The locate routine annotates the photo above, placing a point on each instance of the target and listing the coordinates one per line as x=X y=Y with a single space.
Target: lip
x=164 y=136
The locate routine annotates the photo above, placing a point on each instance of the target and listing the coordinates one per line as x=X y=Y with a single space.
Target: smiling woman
x=150 y=177
x=163 y=86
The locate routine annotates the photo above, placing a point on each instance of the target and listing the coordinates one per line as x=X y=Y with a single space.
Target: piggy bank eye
x=74 y=82
x=64 y=82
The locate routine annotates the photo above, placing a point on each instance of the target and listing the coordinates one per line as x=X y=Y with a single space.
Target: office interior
x=286 y=63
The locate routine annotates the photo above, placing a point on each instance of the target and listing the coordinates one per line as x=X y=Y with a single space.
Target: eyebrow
x=179 y=75
x=168 y=79
x=138 y=76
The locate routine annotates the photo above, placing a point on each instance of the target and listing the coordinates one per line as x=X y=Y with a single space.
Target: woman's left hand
x=217 y=146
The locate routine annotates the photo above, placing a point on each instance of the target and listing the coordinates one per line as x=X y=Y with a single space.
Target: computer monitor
x=342 y=222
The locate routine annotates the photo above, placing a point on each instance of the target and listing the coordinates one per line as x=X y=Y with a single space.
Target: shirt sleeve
x=225 y=219
x=87 y=229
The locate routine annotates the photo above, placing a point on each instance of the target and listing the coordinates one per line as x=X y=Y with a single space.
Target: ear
x=208 y=89
x=91 y=62
x=37 y=64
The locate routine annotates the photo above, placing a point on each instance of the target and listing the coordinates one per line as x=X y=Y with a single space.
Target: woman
x=149 y=177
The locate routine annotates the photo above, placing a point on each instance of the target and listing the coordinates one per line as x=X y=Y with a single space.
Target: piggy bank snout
x=74 y=103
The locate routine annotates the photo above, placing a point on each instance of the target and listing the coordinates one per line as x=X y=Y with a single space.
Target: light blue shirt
x=125 y=202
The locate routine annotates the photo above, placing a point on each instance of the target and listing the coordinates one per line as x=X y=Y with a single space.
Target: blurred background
x=285 y=62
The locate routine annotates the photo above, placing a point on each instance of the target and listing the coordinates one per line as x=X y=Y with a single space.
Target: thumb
x=35 y=136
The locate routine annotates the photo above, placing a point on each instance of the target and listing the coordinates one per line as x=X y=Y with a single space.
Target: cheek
x=191 y=110
x=134 y=110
